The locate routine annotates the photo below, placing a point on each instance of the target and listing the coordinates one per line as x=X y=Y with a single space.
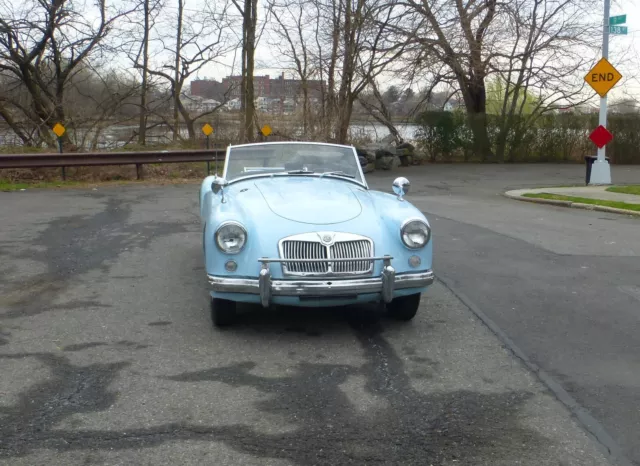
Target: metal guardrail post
x=208 y=162
x=64 y=174
x=139 y=172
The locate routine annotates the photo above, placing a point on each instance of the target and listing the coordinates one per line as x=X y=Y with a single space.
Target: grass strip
x=633 y=189
x=6 y=185
x=584 y=200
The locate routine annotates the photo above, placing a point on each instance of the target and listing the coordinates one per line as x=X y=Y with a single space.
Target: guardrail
x=138 y=159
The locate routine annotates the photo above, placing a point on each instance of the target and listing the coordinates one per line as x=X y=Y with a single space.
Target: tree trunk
x=6 y=116
x=331 y=101
x=188 y=121
x=243 y=72
x=344 y=119
x=142 y=128
x=176 y=88
x=249 y=114
x=475 y=100
x=305 y=109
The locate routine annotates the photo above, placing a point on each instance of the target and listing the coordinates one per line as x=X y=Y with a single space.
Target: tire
x=404 y=308
x=223 y=312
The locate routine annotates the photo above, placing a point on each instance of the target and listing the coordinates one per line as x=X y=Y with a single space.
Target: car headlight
x=415 y=234
x=231 y=237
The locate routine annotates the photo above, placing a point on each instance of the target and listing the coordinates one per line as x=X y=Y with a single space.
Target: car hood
x=306 y=199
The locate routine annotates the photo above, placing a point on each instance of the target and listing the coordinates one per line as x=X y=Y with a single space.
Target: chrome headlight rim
x=406 y=224
x=227 y=224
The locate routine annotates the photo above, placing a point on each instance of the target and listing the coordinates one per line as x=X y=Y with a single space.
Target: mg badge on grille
x=326 y=238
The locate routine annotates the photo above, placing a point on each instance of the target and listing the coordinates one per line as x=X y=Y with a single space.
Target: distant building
x=264 y=86
x=284 y=88
x=261 y=85
x=207 y=88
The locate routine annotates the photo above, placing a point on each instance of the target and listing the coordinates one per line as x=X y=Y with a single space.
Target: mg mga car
x=295 y=223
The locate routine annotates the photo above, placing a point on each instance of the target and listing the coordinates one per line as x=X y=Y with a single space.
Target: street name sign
x=620 y=19
x=622 y=30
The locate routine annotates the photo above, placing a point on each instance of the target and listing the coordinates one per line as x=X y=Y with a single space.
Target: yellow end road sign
x=207 y=129
x=59 y=130
x=266 y=130
x=603 y=77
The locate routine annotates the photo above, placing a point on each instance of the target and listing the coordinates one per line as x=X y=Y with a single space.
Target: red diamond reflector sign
x=601 y=136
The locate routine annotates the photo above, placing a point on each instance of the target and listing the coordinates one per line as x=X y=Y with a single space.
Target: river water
x=117 y=136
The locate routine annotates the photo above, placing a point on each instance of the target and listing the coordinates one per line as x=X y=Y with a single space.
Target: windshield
x=312 y=159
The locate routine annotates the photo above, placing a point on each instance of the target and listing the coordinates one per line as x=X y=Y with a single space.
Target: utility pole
x=601 y=170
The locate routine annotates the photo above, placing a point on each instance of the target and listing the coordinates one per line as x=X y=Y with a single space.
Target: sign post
x=602 y=78
x=207 y=129
x=59 y=130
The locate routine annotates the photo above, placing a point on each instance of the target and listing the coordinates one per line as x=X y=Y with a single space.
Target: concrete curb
x=517 y=195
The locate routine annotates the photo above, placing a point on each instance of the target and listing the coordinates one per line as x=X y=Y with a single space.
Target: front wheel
x=404 y=308
x=223 y=312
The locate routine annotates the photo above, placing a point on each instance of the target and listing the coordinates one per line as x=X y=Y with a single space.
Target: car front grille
x=305 y=249
x=348 y=250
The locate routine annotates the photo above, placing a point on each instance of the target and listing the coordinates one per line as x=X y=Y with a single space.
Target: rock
x=386 y=152
x=406 y=146
x=388 y=139
x=368 y=168
x=368 y=155
x=406 y=151
x=387 y=162
x=361 y=152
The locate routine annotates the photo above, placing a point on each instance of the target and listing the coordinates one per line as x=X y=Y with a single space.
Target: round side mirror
x=217 y=184
x=401 y=187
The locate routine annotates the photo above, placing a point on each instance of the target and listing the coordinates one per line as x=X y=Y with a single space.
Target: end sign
x=602 y=77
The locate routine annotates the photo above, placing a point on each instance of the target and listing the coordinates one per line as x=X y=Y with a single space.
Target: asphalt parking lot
x=108 y=356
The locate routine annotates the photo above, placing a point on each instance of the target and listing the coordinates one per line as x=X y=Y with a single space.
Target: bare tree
x=42 y=45
x=457 y=34
x=294 y=41
x=377 y=106
x=248 y=9
x=549 y=48
x=192 y=40
x=355 y=32
x=150 y=11
x=97 y=99
x=535 y=46
x=13 y=106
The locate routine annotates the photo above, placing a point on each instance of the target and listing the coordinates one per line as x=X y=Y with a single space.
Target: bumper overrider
x=267 y=287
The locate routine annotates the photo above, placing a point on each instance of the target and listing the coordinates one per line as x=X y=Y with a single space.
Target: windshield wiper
x=338 y=173
x=299 y=172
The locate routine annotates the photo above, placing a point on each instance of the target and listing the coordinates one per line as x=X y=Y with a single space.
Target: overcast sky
x=624 y=53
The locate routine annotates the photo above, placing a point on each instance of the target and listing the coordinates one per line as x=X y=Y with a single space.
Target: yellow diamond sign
x=266 y=130
x=207 y=129
x=59 y=130
x=602 y=77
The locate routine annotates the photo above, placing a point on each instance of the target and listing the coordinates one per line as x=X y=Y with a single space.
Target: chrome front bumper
x=267 y=287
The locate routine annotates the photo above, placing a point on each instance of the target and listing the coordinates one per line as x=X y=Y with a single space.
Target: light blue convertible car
x=295 y=223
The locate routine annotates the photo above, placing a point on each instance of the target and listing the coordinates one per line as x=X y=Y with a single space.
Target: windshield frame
x=362 y=183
